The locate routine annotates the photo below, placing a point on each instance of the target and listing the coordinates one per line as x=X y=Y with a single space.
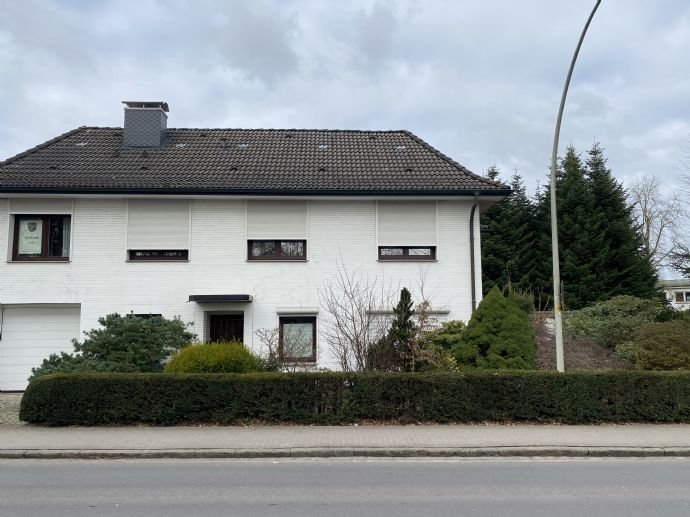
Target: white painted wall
x=101 y=280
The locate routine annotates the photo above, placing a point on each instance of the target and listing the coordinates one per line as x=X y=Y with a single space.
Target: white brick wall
x=100 y=279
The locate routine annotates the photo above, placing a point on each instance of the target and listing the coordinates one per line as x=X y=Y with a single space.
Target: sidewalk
x=23 y=441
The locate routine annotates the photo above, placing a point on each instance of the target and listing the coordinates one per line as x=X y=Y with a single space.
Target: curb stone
x=324 y=452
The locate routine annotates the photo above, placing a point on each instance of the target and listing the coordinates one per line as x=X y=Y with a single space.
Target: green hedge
x=337 y=398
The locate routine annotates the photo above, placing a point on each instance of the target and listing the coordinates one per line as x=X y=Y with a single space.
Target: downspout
x=472 y=266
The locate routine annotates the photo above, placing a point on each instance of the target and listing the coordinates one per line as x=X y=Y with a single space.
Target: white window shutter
x=407 y=223
x=158 y=224
x=276 y=220
x=40 y=206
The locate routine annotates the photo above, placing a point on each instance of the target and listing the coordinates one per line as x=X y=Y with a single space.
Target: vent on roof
x=323 y=146
x=408 y=169
x=400 y=148
x=53 y=167
x=146 y=123
x=322 y=169
x=81 y=144
x=243 y=146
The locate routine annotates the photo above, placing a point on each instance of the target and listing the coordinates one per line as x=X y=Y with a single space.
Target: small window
x=41 y=237
x=277 y=250
x=297 y=339
x=680 y=296
x=142 y=316
x=158 y=255
x=407 y=252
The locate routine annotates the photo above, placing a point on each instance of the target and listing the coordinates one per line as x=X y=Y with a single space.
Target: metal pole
x=558 y=320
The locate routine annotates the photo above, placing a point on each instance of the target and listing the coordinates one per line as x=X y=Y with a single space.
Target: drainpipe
x=472 y=267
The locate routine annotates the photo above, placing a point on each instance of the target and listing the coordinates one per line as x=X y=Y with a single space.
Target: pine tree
x=507 y=249
x=627 y=269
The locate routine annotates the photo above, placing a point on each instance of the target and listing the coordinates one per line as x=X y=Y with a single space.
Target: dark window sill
x=403 y=260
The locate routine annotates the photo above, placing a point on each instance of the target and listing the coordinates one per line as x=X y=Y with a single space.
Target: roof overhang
x=220 y=298
x=495 y=193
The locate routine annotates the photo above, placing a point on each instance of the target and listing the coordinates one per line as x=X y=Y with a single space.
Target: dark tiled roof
x=242 y=161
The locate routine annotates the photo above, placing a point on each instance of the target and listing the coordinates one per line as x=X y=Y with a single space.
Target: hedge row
x=337 y=398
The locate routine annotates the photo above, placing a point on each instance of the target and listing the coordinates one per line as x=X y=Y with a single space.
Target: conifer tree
x=627 y=269
x=498 y=336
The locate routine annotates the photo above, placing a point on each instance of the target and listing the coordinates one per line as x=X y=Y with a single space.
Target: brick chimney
x=146 y=123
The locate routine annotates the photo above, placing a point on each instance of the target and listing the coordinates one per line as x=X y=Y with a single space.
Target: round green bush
x=663 y=346
x=229 y=357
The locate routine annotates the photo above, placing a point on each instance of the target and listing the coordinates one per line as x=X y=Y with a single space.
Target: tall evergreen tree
x=507 y=254
x=627 y=268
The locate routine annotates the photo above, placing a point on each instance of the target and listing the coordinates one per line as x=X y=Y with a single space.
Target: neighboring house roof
x=675 y=283
x=243 y=161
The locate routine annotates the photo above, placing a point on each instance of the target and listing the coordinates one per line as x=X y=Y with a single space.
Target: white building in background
x=232 y=230
x=677 y=292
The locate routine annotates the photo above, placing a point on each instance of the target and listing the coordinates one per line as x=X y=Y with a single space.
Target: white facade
x=677 y=293
x=100 y=280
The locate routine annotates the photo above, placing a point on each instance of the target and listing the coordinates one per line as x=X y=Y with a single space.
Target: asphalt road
x=357 y=487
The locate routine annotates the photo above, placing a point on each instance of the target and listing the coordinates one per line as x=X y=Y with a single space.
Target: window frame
x=276 y=250
x=296 y=319
x=406 y=257
x=45 y=235
x=132 y=258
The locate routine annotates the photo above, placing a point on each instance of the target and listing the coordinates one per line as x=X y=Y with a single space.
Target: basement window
x=41 y=237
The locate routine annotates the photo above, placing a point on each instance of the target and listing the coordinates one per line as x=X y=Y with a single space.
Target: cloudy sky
x=480 y=80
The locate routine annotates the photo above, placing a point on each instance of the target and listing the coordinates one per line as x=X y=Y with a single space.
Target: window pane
x=30 y=239
x=297 y=340
x=679 y=297
x=292 y=248
x=58 y=236
x=391 y=251
x=687 y=296
x=262 y=248
x=420 y=252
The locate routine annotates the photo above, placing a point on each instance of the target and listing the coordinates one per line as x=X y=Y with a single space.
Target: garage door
x=29 y=335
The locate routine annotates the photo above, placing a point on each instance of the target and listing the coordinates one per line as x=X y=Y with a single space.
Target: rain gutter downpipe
x=472 y=266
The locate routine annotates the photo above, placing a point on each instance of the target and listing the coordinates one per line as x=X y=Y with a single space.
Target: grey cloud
x=479 y=80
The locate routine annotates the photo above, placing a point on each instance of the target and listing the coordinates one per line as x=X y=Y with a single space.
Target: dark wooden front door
x=226 y=327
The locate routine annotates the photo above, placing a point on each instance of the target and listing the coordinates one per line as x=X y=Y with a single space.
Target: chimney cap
x=147 y=104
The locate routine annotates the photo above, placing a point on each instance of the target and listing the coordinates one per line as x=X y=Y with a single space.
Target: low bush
x=498 y=336
x=615 y=321
x=663 y=346
x=123 y=344
x=339 y=398
x=229 y=357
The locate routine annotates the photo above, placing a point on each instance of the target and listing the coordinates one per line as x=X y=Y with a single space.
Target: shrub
x=663 y=346
x=230 y=357
x=338 y=398
x=615 y=321
x=499 y=335
x=124 y=344
x=447 y=336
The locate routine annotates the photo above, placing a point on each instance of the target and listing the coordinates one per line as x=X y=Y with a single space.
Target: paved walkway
x=19 y=441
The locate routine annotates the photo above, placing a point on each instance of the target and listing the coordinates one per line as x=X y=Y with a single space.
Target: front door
x=226 y=327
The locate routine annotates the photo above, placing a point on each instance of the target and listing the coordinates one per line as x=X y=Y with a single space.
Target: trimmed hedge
x=338 y=398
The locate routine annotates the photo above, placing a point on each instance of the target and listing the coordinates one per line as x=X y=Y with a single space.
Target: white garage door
x=31 y=334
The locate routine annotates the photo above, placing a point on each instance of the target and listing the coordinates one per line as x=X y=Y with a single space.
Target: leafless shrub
x=352 y=303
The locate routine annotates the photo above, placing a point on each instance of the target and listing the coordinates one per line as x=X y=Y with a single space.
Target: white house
x=232 y=230
x=677 y=293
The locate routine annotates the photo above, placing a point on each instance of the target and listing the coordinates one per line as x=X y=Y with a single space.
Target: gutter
x=472 y=265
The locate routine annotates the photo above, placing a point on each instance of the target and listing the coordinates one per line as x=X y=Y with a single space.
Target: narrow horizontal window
x=297 y=339
x=158 y=254
x=407 y=252
x=277 y=250
x=41 y=237
x=146 y=316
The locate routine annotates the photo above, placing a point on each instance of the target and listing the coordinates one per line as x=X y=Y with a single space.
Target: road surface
x=347 y=487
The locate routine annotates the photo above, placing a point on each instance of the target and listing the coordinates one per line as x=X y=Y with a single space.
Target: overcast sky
x=480 y=80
